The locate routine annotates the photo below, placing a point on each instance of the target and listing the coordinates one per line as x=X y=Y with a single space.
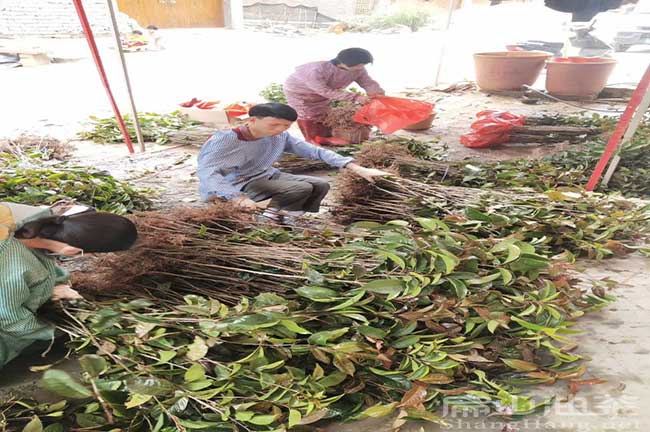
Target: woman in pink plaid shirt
x=313 y=86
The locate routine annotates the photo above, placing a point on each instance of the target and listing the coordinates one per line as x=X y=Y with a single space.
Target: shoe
x=270 y=216
x=295 y=213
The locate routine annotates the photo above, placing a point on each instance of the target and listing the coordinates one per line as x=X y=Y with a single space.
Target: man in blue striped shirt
x=237 y=165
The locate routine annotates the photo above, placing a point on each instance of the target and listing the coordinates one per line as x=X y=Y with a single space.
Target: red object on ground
x=209 y=105
x=102 y=73
x=491 y=128
x=190 y=103
x=391 y=114
x=236 y=110
x=619 y=131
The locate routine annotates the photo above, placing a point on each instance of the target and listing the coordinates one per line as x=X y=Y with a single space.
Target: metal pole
x=85 y=25
x=118 y=43
x=442 y=47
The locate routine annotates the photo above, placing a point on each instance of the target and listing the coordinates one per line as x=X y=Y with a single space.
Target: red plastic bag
x=491 y=128
x=391 y=114
x=237 y=109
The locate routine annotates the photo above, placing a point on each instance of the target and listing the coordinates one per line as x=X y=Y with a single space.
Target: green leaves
x=33 y=179
x=196 y=372
x=406 y=341
x=384 y=286
x=150 y=386
x=93 y=365
x=317 y=294
x=63 y=384
x=197 y=349
x=155 y=127
x=308 y=325
x=520 y=365
x=377 y=411
x=137 y=399
x=274 y=92
x=322 y=338
x=294 y=418
x=34 y=425
x=527 y=263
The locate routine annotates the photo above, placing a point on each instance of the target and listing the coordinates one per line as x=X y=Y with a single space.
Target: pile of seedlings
x=155 y=127
x=594 y=226
x=243 y=328
x=34 y=171
x=32 y=146
x=340 y=118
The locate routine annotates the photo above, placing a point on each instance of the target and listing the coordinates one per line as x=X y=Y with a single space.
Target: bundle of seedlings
x=32 y=146
x=35 y=177
x=559 y=221
x=375 y=321
x=155 y=127
x=412 y=149
x=294 y=164
x=340 y=119
x=203 y=248
x=557 y=128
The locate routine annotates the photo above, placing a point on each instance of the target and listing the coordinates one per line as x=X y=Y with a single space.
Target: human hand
x=246 y=203
x=64 y=292
x=368 y=174
x=69 y=251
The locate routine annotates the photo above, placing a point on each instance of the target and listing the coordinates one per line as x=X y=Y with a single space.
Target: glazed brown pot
x=422 y=125
x=508 y=70
x=355 y=137
x=578 y=77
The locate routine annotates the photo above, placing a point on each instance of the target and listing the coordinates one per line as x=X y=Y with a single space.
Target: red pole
x=619 y=131
x=102 y=73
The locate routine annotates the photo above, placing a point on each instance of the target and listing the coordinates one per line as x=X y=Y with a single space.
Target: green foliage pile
x=274 y=93
x=155 y=127
x=379 y=320
x=31 y=176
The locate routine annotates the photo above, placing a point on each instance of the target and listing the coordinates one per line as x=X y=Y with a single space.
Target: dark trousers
x=289 y=192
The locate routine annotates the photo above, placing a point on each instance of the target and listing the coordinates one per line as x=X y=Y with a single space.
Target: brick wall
x=50 y=18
